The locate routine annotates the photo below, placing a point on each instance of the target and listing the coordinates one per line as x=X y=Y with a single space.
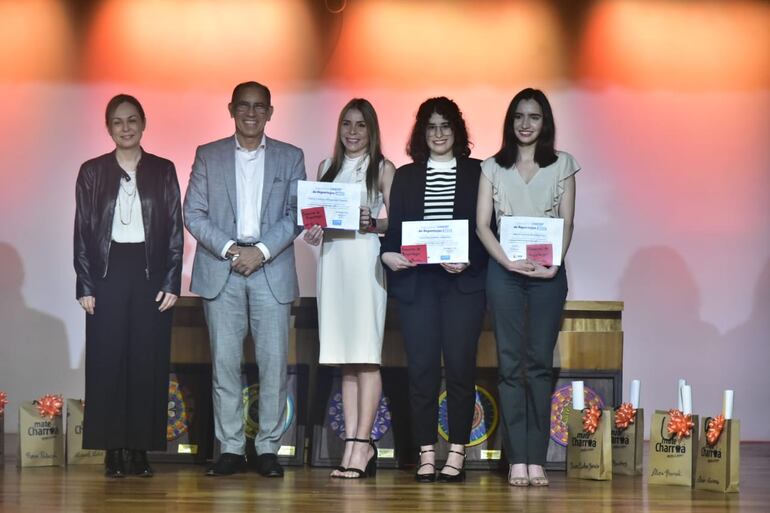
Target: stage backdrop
x=665 y=104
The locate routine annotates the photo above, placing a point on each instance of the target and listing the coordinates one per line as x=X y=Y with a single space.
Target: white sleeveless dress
x=351 y=290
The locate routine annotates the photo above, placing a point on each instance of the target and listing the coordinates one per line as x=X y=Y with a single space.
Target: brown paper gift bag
x=76 y=455
x=2 y=438
x=41 y=439
x=627 y=446
x=672 y=460
x=589 y=455
x=3 y=402
x=718 y=465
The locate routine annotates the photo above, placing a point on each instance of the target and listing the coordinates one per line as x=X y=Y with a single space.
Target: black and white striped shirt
x=440 y=181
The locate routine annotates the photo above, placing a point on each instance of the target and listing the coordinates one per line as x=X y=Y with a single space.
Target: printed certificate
x=517 y=233
x=446 y=241
x=340 y=201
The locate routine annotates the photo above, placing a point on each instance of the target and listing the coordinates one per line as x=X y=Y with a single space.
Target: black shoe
x=227 y=465
x=113 y=464
x=453 y=478
x=371 y=465
x=340 y=468
x=139 y=464
x=425 y=478
x=268 y=466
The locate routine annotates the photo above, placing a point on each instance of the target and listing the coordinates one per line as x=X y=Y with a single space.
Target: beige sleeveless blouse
x=540 y=197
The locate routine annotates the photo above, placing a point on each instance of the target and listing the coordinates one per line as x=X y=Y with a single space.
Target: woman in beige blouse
x=527 y=177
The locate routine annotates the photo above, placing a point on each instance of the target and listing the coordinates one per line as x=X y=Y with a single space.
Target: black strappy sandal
x=371 y=465
x=340 y=468
x=453 y=478
x=425 y=478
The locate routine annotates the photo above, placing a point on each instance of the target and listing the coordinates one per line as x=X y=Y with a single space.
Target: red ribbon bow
x=591 y=419
x=625 y=415
x=680 y=424
x=714 y=430
x=3 y=402
x=49 y=406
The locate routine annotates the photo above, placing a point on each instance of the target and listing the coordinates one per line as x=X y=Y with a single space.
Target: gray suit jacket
x=210 y=215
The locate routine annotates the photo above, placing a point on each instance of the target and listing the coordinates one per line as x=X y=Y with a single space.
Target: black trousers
x=127 y=358
x=526 y=315
x=441 y=319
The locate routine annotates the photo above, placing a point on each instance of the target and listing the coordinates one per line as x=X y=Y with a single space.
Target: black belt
x=245 y=244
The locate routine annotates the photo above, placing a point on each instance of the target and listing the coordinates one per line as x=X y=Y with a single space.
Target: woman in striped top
x=440 y=306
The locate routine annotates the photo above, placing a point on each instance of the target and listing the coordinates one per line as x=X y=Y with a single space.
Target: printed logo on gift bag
x=41 y=438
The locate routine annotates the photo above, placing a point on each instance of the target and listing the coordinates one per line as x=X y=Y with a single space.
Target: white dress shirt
x=249 y=183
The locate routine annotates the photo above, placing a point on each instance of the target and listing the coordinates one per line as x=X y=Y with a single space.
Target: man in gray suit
x=241 y=206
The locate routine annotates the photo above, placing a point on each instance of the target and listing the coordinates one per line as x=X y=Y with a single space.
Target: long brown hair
x=373 y=149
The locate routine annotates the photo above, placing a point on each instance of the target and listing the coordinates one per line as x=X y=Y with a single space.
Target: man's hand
x=246 y=260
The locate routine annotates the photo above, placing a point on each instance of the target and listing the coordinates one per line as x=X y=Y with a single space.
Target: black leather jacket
x=96 y=193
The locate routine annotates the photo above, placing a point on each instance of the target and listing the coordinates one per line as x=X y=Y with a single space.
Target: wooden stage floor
x=183 y=488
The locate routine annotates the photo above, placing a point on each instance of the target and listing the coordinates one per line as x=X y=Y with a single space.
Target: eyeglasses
x=442 y=129
x=245 y=107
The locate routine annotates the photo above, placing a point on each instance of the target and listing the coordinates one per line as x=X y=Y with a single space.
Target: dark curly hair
x=417 y=147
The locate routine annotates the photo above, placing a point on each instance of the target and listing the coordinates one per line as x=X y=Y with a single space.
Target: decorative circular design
x=180 y=410
x=561 y=408
x=251 y=411
x=335 y=417
x=486 y=416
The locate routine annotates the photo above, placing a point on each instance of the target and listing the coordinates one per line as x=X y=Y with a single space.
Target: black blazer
x=407 y=203
x=96 y=193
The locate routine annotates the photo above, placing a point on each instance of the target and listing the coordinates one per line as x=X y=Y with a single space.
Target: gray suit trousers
x=247 y=303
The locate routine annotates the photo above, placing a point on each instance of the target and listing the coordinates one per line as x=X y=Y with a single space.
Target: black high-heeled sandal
x=371 y=465
x=340 y=468
x=425 y=478
x=453 y=478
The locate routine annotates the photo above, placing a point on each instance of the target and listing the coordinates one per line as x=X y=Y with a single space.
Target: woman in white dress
x=351 y=290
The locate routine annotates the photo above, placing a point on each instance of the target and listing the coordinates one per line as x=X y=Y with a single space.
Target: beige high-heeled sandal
x=518 y=481
x=539 y=480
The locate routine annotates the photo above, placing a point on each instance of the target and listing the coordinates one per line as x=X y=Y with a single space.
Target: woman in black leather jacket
x=128 y=260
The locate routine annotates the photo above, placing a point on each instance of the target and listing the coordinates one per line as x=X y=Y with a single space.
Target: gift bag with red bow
x=673 y=443
x=719 y=451
x=76 y=455
x=627 y=440
x=589 y=444
x=3 y=402
x=41 y=437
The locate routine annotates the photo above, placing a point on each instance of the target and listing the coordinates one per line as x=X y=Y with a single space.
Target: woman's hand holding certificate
x=435 y=242
x=535 y=239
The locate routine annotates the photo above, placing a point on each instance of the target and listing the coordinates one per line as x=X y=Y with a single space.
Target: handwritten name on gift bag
x=719 y=455
x=41 y=437
x=672 y=453
x=627 y=440
x=76 y=455
x=589 y=445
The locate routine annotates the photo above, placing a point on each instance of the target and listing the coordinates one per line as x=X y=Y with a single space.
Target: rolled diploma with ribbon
x=687 y=400
x=680 y=383
x=635 y=388
x=578 y=398
x=727 y=404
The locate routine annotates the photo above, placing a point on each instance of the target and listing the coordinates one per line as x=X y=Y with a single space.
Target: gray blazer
x=210 y=215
